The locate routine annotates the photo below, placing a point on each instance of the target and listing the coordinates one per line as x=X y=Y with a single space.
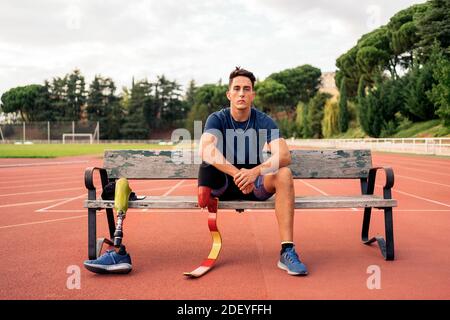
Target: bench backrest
x=306 y=164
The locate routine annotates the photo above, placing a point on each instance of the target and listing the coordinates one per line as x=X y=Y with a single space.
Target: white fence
x=435 y=146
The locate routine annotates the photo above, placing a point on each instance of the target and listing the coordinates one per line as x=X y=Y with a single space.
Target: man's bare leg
x=283 y=184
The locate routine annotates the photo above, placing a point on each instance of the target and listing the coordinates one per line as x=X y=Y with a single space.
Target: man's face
x=240 y=93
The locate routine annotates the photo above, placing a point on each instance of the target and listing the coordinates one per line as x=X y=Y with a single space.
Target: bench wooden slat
x=306 y=202
x=306 y=164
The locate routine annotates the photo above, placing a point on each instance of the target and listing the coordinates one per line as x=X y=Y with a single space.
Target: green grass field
x=62 y=150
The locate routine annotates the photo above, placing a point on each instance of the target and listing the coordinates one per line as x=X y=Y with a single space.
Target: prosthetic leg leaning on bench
x=115 y=259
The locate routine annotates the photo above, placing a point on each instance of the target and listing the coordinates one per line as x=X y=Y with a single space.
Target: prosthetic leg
x=121 y=197
x=206 y=200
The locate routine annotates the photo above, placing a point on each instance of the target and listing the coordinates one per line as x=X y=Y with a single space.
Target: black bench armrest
x=89 y=180
x=389 y=181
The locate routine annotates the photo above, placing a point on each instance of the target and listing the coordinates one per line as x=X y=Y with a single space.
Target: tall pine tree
x=343 y=108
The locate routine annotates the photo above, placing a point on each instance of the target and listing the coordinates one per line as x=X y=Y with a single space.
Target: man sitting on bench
x=232 y=169
x=235 y=170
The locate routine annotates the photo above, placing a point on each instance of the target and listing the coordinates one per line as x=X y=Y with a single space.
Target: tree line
x=400 y=71
x=132 y=114
x=136 y=112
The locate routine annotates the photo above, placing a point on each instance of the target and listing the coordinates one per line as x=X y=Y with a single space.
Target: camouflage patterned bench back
x=306 y=164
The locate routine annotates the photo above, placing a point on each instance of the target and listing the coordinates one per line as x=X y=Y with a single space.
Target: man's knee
x=284 y=174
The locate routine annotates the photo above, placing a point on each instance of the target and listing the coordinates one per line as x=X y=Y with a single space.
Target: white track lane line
x=40 y=185
x=161 y=188
x=41 y=191
x=173 y=188
x=302 y=211
x=420 y=180
x=322 y=192
x=315 y=188
x=418 y=197
x=45 y=221
x=169 y=191
x=417 y=162
x=64 y=210
x=40 y=164
x=48 y=209
x=426 y=171
x=40 y=177
x=60 y=203
x=29 y=203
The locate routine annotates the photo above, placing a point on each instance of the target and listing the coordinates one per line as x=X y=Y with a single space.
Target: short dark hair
x=238 y=71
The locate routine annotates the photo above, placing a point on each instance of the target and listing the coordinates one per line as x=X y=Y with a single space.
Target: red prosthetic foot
x=205 y=200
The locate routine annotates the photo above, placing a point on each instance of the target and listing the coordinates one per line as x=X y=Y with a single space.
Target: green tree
x=330 y=122
x=315 y=115
x=379 y=106
x=75 y=95
x=300 y=118
x=58 y=98
x=388 y=48
x=343 y=108
x=270 y=95
x=166 y=103
x=374 y=53
x=348 y=70
x=417 y=83
x=404 y=37
x=207 y=99
x=30 y=101
x=115 y=120
x=362 y=105
x=440 y=93
x=301 y=84
x=434 y=25
x=135 y=125
x=306 y=130
x=213 y=96
x=103 y=106
x=190 y=94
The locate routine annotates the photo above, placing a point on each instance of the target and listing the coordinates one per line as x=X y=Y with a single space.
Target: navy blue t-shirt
x=242 y=143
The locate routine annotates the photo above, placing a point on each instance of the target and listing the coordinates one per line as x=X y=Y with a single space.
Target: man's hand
x=245 y=178
x=249 y=189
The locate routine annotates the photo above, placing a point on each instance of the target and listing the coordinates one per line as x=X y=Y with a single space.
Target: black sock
x=286 y=245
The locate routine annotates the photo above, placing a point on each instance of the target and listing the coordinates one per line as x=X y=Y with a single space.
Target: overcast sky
x=194 y=39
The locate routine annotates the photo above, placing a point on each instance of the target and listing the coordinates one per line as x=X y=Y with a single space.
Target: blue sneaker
x=110 y=262
x=290 y=262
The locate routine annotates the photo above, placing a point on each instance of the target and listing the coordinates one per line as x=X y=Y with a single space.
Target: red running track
x=43 y=229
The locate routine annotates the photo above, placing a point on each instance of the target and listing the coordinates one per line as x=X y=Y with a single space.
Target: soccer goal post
x=77 y=137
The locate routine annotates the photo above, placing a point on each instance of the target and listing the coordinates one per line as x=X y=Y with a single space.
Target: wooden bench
x=306 y=164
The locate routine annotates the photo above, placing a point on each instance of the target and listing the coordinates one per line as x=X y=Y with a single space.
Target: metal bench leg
x=366 y=224
x=92 y=234
x=111 y=223
x=209 y=262
x=386 y=246
x=95 y=245
x=389 y=230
